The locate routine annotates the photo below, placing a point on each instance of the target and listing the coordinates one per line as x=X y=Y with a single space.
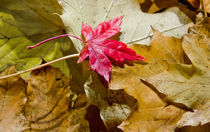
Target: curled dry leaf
x=152 y=113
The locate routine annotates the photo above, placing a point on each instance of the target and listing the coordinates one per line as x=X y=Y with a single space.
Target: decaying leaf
x=73 y=121
x=115 y=106
x=12 y=100
x=189 y=84
x=25 y=22
x=41 y=105
x=140 y=94
x=136 y=26
x=152 y=114
x=48 y=103
x=47 y=92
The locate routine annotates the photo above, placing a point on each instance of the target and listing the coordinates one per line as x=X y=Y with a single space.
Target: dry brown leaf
x=152 y=6
x=43 y=105
x=189 y=84
x=48 y=103
x=73 y=121
x=199 y=128
x=152 y=113
x=12 y=100
x=47 y=92
x=156 y=6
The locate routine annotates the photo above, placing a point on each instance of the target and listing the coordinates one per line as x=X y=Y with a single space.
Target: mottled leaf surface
x=26 y=22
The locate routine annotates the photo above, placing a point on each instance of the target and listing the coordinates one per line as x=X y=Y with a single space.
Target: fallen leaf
x=41 y=105
x=25 y=22
x=189 y=83
x=76 y=122
x=48 y=94
x=136 y=26
x=73 y=121
x=152 y=6
x=12 y=100
x=113 y=108
x=200 y=116
x=47 y=107
x=99 y=48
x=152 y=113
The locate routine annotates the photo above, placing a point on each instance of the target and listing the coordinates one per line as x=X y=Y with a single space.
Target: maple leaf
x=98 y=47
x=152 y=114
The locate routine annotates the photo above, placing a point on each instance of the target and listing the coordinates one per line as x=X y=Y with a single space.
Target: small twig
x=48 y=63
x=40 y=66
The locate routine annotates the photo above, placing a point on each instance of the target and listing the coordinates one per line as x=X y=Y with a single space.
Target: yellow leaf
x=189 y=84
x=41 y=104
x=12 y=100
x=48 y=94
x=151 y=114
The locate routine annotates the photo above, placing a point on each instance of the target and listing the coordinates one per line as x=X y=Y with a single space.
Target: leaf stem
x=43 y=65
x=59 y=36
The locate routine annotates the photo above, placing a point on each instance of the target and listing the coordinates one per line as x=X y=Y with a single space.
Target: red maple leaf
x=98 y=47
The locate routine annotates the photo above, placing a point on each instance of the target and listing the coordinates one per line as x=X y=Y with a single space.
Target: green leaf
x=26 y=22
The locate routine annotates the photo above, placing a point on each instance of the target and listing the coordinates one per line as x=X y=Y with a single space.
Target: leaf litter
x=133 y=101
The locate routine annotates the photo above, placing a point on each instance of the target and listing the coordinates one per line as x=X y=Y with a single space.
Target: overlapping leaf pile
x=169 y=92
